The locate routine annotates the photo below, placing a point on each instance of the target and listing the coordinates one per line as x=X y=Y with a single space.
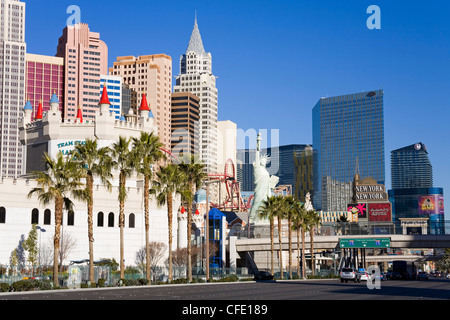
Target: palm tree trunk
x=290 y=246
x=303 y=254
x=147 y=227
x=121 y=225
x=271 y=244
x=169 y=217
x=56 y=240
x=311 y=234
x=90 y=185
x=298 y=251
x=281 y=249
x=189 y=248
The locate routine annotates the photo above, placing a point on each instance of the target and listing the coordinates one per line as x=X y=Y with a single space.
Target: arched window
x=111 y=219
x=100 y=219
x=2 y=215
x=131 y=219
x=35 y=216
x=47 y=217
x=70 y=218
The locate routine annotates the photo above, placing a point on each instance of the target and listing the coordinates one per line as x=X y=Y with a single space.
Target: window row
x=71 y=218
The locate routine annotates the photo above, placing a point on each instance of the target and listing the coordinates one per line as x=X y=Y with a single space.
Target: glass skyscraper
x=348 y=138
x=411 y=167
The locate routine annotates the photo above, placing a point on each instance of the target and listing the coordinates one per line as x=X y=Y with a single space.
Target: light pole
x=41 y=230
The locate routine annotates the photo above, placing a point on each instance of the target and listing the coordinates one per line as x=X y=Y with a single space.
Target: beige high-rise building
x=152 y=75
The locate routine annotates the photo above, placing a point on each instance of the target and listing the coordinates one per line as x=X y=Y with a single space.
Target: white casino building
x=52 y=135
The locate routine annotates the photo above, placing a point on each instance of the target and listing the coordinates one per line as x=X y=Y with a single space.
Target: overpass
x=260 y=247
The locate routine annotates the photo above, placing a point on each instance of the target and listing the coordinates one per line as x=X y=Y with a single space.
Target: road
x=434 y=289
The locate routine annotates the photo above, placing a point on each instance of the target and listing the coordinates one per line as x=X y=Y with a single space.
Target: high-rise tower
x=12 y=85
x=196 y=77
x=86 y=58
x=411 y=167
x=348 y=137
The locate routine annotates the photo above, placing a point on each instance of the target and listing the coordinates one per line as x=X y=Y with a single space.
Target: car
x=363 y=276
x=393 y=275
x=263 y=275
x=422 y=276
x=349 y=274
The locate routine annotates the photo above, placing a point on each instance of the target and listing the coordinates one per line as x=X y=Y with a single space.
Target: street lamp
x=41 y=230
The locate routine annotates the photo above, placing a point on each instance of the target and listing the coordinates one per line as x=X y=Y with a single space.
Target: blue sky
x=276 y=59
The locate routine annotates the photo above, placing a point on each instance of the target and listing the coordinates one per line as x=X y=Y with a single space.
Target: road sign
x=365 y=243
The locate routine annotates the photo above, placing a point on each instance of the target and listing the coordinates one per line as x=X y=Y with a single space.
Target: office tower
x=114 y=88
x=152 y=75
x=348 y=137
x=86 y=58
x=244 y=168
x=185 y=124
x=12 y=86
x=413 y=194
x=44 y=77
x=196 y=77
x=411 y=167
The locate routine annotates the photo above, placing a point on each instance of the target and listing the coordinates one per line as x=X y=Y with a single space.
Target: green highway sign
x=370 y=243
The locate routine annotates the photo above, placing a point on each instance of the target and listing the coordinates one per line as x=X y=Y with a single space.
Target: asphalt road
x=434 y=289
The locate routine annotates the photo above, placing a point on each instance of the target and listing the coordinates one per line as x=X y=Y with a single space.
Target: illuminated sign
x=380 y=212
x=358 y=209
x=369 y=193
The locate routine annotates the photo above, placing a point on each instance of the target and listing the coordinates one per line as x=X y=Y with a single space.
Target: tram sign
x=371 y=243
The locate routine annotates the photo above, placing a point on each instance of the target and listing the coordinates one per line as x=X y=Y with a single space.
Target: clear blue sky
x=276 y=59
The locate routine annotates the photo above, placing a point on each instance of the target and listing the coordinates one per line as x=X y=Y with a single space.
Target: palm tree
x=123 y=161
x=194 y=175
x=147 y=153
x=313 y=220
x=290 y=207
x=268 y=210
x=299 y=224
x=281 y=214
x=92 y=162
x=169 y=181
x=60 y=179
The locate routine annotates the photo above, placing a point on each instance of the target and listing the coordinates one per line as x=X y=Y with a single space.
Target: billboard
x=380 y=212
x=431 y=204
x=358 y=208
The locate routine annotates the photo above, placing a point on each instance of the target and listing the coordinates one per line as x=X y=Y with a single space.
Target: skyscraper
x=196 y=77
x=152 y=75
x=44 y=76
x=12 y=85
x=185 y=131
x=411 y=167
x=348 y=137
x=86 y=58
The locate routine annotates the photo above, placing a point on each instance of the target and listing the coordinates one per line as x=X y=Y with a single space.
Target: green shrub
x=101 y=283
x=4 y=287
x=143 y=281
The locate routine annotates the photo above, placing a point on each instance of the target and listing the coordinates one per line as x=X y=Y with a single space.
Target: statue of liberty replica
x=264 y=185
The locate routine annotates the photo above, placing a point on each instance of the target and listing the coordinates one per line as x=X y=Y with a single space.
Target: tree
x=290 y=211
x=92 y=162
x=31 y=246
x=299 y=224
x=313 y=220
x=147 y=151
x=268 y=210
x=123 y=161
x=169 y=181
x=281 y=214
x=60 y=180
x=194 y=175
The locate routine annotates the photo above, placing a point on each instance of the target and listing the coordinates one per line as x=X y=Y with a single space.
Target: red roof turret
x=40 y=112
x=80 y=114
x=144 y=104
x=105 y=99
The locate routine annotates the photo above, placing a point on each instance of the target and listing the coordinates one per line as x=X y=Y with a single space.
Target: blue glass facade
x=348 y=137
x=419 y=203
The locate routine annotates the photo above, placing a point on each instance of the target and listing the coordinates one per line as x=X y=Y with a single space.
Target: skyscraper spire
x=196 y=43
